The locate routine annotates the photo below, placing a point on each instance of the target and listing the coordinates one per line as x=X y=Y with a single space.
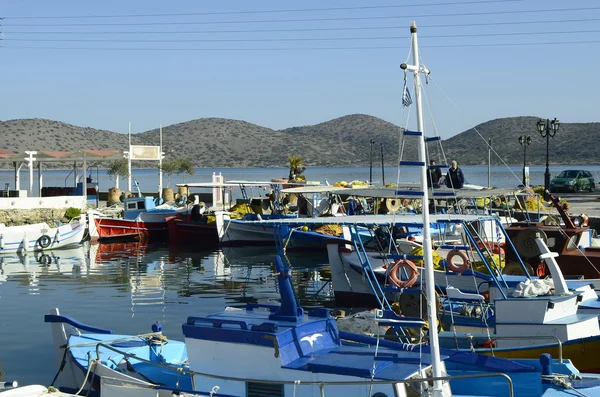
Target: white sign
x=139 y=152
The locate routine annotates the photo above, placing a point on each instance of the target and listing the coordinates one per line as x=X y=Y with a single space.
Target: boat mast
x=416 y=68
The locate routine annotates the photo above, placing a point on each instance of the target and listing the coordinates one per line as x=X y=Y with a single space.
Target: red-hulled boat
x=192 y=231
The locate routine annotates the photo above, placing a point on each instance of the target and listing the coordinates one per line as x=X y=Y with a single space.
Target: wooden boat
x=40 y=236
x=142 y=221
x=578 y=258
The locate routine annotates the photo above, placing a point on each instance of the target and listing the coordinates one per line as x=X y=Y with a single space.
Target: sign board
x=526 y=175
x=139 y=152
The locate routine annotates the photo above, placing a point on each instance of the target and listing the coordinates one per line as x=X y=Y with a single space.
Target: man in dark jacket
x=455 y=178
x=434 y=175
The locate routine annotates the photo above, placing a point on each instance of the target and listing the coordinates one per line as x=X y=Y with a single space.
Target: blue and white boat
x=278 y=351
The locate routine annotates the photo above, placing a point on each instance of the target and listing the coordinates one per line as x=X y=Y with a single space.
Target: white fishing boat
x=40 y=236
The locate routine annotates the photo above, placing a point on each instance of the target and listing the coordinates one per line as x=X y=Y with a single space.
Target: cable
x=266 y=11
x=297 y=39
x=380 y=17
x=295 y=49
x=462 y=25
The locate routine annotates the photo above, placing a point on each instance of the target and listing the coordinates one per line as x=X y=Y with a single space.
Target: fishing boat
x=294 y=353
x=142 y=220
x=575 y=242
x=40 y=236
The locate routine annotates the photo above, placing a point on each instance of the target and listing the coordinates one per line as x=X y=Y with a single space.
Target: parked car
x=573 y=181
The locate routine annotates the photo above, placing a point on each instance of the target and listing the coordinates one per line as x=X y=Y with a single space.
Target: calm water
x=128 y=287
x=500 y=176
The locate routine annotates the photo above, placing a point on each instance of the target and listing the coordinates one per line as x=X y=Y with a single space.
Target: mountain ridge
x=213 y=142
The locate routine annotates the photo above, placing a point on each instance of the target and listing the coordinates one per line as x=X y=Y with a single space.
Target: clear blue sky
x=107 y=70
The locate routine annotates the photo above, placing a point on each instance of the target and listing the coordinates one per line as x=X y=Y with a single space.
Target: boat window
x=131 y=206
x=142 y=205
x=572 y=243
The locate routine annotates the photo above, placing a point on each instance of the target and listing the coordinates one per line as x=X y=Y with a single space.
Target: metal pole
x=524 y=161
x=382 y=167
x=129 y=161
x=371 y=142
x=489 y=163
x=547 y=174
x=160 y=159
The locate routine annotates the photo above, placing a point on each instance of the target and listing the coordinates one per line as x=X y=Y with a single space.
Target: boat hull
x=583 y=353
x=40 y=237
x=126 y=229
x=186 y=232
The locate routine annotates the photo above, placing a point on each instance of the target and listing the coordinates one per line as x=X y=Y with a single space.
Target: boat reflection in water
x=130 y=286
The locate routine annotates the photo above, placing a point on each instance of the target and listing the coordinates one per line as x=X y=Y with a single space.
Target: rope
x=87 y=374
x=563 y=381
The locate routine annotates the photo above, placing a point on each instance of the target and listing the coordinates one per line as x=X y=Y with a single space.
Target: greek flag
x=406 y=100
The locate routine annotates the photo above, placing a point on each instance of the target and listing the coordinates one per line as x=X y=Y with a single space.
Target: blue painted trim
x=409 y=257
x=217 y=322
x=443 y=194
x=54 y=318
x=413 y=133
x=433 y=138
x=416 y=193
x=413 y=163
x=456 y=247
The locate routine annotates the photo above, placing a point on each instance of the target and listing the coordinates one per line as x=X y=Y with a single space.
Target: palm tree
x=296 y=169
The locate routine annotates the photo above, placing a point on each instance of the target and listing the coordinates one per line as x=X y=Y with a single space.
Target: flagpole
x=129 y=161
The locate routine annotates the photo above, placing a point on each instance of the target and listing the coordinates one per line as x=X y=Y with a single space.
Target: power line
x=460 y=35
x=375 y=7
x=311 y=19
x=300 y=48
x=315 y=29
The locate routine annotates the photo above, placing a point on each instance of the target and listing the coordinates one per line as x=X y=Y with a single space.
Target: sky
x=284 y=64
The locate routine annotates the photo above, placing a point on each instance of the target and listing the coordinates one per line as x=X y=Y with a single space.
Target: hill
x=344 y=141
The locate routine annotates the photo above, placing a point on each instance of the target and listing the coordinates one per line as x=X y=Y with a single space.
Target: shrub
x=72 y=212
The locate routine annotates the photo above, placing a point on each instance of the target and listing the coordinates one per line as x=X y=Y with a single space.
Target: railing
x=321 y=384
x=486 y=349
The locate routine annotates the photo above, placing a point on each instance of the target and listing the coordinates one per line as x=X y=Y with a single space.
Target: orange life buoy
x=495 y=248
x=411 y=268
x=457 y=268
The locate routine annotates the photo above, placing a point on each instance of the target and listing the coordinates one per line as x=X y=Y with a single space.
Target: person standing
x=434 y=175
x=455 y=178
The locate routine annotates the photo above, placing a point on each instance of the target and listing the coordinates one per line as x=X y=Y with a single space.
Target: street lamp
x=547 y=130
x=524 y=141
x=371 y=142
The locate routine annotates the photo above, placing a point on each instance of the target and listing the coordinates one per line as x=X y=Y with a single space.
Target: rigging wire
x=373 y=7
x=361 y=18
x=353 y=28
x=475 y=129
x=291 y=39
x=490 y=45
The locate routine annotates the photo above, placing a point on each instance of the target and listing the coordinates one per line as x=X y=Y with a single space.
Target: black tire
x=45 y=260
x=44 y=241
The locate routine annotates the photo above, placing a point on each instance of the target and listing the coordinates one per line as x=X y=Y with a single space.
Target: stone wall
x=51 y=216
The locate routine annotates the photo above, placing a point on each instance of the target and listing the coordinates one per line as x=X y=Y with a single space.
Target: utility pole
x=371 y=142
x=382 y=167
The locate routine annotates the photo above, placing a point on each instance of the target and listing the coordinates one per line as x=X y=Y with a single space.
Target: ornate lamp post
x=547 y=130
x=524 y=141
